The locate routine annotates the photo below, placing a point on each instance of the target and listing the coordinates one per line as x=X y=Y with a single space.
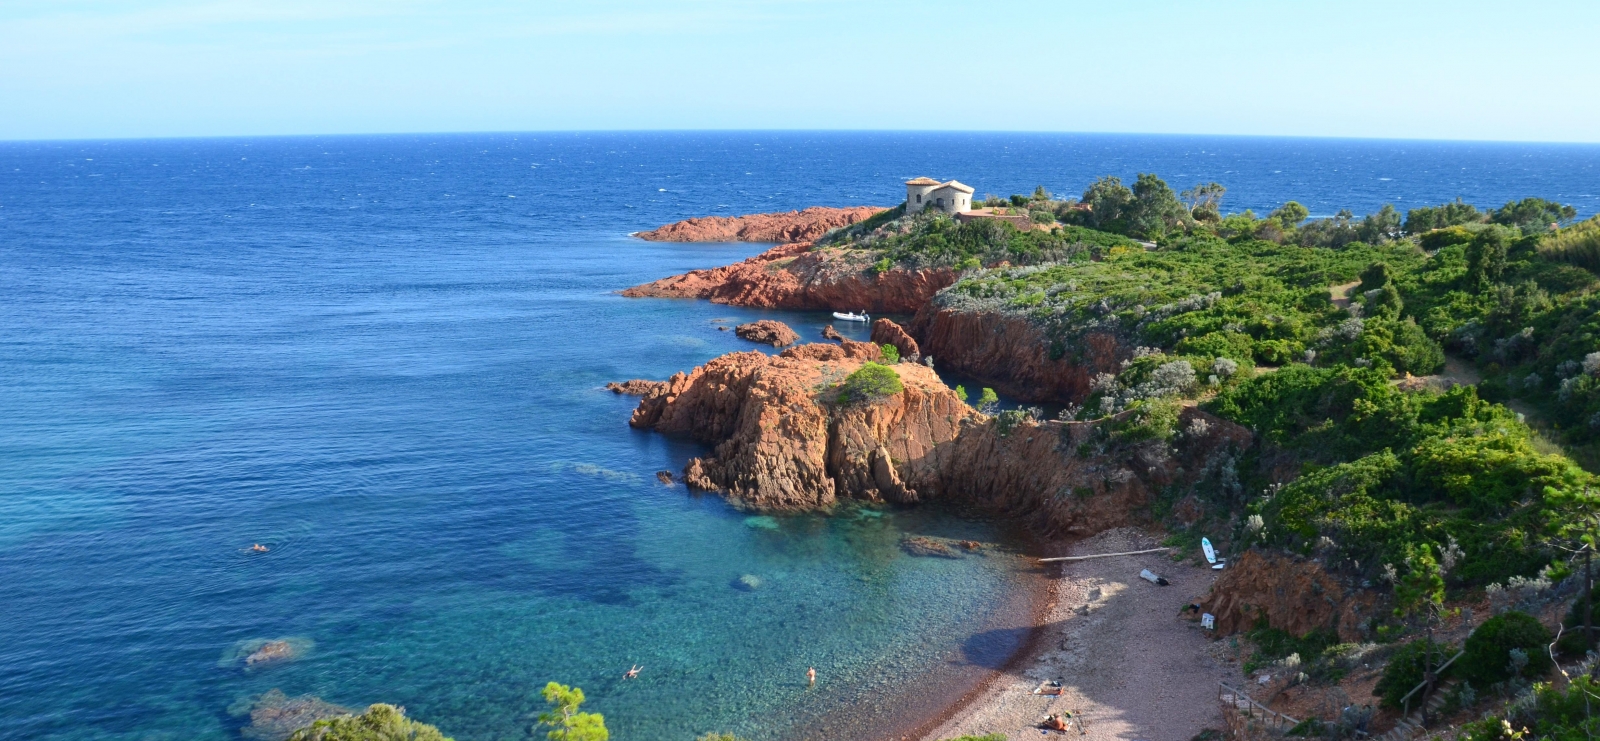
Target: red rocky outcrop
x=886 y=332
x=1292 y=593
x=782 y=442
x=786 y=226
x=767 y=332
x=1009 y=353
x=794 y=276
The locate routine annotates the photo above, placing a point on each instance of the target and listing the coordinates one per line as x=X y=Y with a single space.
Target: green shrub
x=988 y=401
x=1441 y=238
x=961 y=393
x=891 y=354
x=564 y=719
x=1578 y=244
x=870 y=383
x=1489 y=658
x=1040 y=216
x=1405 y=671
x=379 y=723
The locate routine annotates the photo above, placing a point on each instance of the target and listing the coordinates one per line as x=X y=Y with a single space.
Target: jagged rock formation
x=1293 y=593
x=1008 y=352
x=796 y=277
x=783 y=442
x=768 y=332
x=1074 y=478
x=886 y=332
x=784 y=226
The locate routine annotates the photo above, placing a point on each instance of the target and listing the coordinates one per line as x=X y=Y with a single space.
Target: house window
x=919 y=198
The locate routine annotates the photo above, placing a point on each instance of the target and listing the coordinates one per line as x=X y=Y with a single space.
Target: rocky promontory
x=785 y=226
x=783 y=440
x=797 y=276
x=767 y=332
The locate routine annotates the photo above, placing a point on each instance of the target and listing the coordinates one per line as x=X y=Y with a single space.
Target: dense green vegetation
x=1564 y=714
x=1300 y=329
x=1504 y=647
x=869 y=383
x=1406 y=669
x=379 y=723
x=1399 y=482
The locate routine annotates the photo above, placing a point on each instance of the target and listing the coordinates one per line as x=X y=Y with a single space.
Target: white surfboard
x=1211 y=553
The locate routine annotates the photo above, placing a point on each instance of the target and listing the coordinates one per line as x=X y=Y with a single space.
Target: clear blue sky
x=1458 y=70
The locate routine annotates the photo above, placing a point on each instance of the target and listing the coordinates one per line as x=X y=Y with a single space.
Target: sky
x=1526 y=71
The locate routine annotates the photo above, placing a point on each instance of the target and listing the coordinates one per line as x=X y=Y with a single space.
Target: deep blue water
x=383 y=357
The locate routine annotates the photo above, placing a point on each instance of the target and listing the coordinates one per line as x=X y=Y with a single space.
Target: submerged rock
x=768 y=332
x=276 y=716
x=635 y=387
x=747 y=583
x=262 y=652
x=665 y=477
x=761 y=522
x=922 y=545
x=269 y=652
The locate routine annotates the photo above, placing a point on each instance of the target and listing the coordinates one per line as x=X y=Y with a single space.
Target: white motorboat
x=848 y=317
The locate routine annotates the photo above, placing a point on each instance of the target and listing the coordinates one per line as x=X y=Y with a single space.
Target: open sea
x=382 y=357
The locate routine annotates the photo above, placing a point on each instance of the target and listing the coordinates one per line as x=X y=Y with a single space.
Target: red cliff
x=786 y=226
x=781 y=441
x=1009 y=353
x=797 y=277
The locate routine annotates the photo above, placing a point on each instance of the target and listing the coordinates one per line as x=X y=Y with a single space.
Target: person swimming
x=634 y=672
x=258 y=548
x=811 y=675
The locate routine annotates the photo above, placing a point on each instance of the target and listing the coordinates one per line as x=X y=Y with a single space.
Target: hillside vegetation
x=1302 y=330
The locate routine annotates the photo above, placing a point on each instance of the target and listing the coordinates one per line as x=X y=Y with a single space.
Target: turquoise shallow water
x=383 y=357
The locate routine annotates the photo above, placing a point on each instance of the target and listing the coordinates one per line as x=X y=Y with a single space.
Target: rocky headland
x=1208 y=384
x=785 y=226
x=804 y=276
x=783 y=440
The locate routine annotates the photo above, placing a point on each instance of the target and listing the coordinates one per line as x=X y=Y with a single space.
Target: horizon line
x=1032 y=132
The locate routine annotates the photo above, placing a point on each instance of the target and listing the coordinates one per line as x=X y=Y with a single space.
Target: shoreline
x=1129 y=665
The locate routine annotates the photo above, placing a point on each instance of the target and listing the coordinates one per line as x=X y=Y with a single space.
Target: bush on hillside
x=891 y=354
x=1505 y=646
x=870 y=383
x=1406 y=668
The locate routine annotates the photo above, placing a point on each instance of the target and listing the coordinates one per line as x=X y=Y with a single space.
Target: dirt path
x=1131 y=667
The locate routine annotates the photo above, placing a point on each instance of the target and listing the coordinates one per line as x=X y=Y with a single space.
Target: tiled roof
x=922 y=181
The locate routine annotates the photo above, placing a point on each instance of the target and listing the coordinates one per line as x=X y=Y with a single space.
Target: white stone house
x=951 y=197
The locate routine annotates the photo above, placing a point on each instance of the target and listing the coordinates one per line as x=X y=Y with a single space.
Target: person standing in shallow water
x=811 y=675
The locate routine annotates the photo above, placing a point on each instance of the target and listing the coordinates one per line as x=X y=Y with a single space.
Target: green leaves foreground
x=567 y=723
x=379 y=723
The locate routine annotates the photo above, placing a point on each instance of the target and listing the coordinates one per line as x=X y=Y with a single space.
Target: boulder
x=768 y=332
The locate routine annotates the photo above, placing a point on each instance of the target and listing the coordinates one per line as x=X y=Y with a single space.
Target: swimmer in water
x=258 y=548
x=634 y=672
x=811 y=675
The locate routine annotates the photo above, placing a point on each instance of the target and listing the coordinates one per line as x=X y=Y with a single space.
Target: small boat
x=847 y=316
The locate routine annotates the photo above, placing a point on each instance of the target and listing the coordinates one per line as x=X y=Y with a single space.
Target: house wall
x=917 y=197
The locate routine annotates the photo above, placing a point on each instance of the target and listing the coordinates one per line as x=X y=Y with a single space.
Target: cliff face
x=786 y=226
x=795 y=277
x=886 y=332
x=1293 y=594
x=1010 y=354
x=782 y=442
x=1066 y=479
